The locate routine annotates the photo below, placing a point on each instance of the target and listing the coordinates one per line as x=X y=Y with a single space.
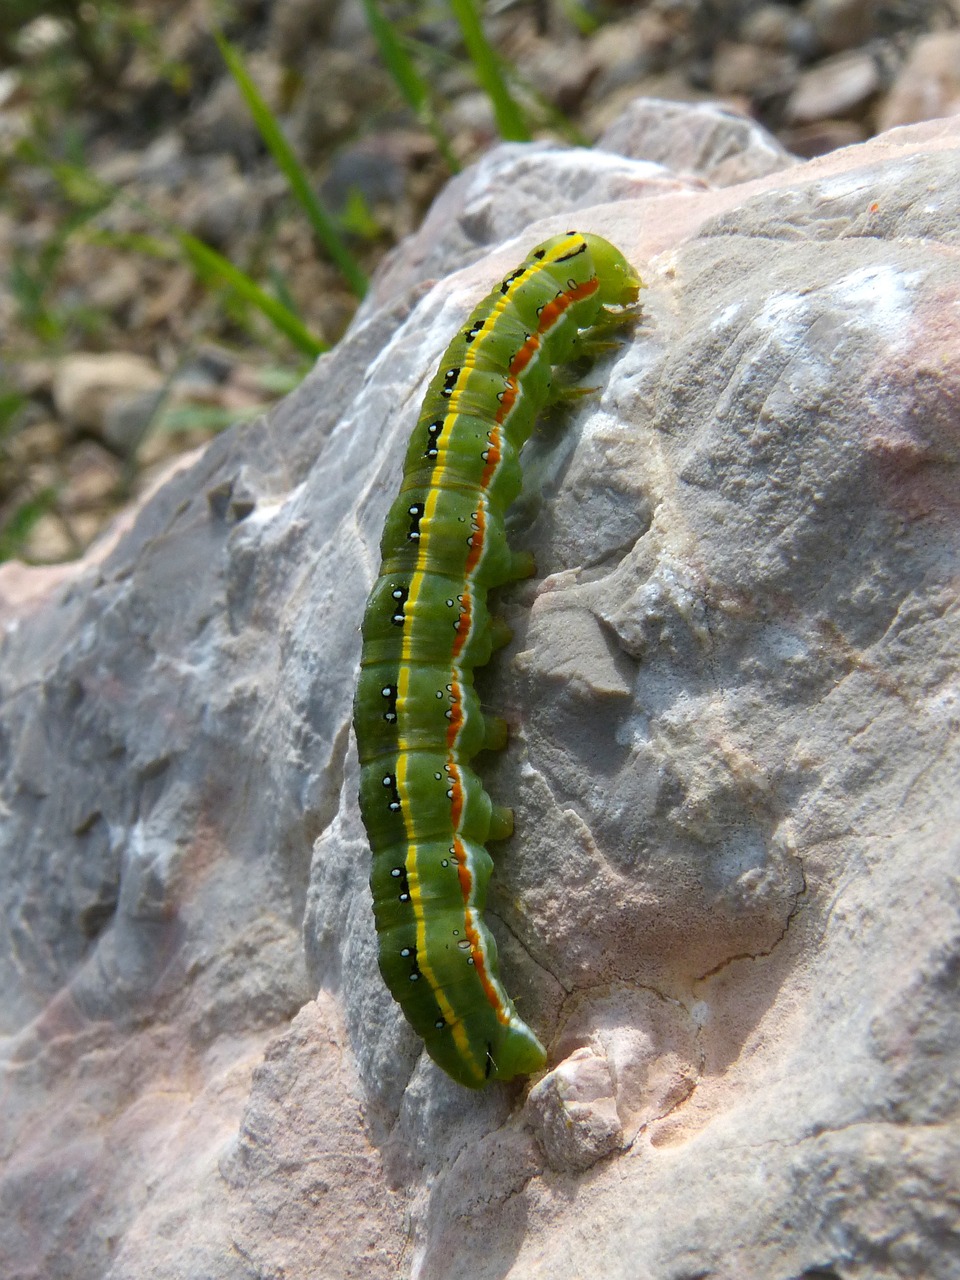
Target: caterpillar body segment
x=427 y=627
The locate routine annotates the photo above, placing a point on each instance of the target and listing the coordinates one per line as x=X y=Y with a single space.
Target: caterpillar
x=417 y=717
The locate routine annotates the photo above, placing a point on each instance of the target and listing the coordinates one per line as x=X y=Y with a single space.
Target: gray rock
x=718 y=145
x=731 y=904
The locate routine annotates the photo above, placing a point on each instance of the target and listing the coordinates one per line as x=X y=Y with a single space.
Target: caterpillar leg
x=501 y=822
x=606 y=335
x=495 y=733
x=522 y=565
x=570 y=393
x=500 y=633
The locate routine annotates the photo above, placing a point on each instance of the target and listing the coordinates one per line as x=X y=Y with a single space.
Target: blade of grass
x=324 y=226
x=553 y=115
x=581 y=17
x=511 y=122
x=407 y=78
x=208 y=263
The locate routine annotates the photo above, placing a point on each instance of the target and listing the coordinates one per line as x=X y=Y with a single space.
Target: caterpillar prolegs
x=418 y=720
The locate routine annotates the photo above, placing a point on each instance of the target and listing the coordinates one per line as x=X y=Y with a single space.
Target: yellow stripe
x=416 y=901
x=416 y=583
x=416 y=580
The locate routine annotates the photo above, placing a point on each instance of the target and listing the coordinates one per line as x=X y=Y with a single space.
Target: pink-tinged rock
x=730 y=905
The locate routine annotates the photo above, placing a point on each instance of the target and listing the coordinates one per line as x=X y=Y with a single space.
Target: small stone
x=928 y=85
x=10 y=85
x=842 y=24
x=297 y=28
x=573 y=1110
x=38 y=442
x=222 y=122
x=33 y=377
x=216 y=211
x=374 y=167
x=750 y=70
x=115 y=288
x=129 y=418
x=49 y=541
x=37 y=38
x=776 y=26
x=94 y=476
x=809 y=140
x=89 y=390
x=837 y=87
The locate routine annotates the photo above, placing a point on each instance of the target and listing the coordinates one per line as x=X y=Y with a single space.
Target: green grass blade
x=396 y=59
x=407 y=78
x=324 y=226
x=208 y=263
x=511 y=122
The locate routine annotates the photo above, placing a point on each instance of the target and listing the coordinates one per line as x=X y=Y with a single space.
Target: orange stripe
x=490 y=988
x=552 y=312
x=549 y=316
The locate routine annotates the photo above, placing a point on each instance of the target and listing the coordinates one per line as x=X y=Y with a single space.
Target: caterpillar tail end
x=519 y=1053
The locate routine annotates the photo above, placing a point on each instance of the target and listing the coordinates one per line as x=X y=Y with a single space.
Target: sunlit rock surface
x=730 y=908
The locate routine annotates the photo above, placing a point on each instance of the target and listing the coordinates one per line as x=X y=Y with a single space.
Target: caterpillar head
x=619 y=282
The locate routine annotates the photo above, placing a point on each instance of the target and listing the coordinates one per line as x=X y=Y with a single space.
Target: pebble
x=838 y=86
x=809 y=140
x=842 y=24
x=93 y=477
x=751 y=70
x=928 y=85
x=778 y=26
x=89 y=390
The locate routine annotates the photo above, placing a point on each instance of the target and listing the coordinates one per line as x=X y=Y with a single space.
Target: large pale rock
x=731 y=905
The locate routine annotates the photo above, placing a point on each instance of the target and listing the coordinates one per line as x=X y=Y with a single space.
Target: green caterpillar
x=426 y=627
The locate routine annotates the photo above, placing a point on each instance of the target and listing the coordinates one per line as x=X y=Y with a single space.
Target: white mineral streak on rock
x=731 y=904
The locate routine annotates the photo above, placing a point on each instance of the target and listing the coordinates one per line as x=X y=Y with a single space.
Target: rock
x=823 y=136
x=709 y=141
x=575 y=1111
x=842 y=24
x=335 y=95
x=93 y=477
x=50 y=540
x=297 y=27
x=733 y=690
x=835 y=87
x=117 y=286
x=490 y=202
x=779 y=26
x=928 y=85
x=751 y=70
x=222 y=121
x=229 y=204
x=113 y=395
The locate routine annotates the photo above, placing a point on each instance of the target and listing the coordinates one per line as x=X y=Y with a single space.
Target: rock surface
x=731 y=905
